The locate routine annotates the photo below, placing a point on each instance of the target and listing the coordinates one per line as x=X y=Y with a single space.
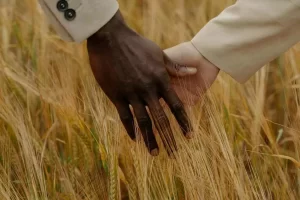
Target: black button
x=62 y=5
x=70 y=14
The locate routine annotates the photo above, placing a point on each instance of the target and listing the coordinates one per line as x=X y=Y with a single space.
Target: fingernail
x=189 y=135
x=189 y=70
x=154 y=152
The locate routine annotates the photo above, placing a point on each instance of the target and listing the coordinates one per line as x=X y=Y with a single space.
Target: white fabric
x=91 y=15
x=249 y=34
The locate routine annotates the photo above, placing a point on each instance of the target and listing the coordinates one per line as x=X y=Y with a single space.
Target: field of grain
x=61 y=138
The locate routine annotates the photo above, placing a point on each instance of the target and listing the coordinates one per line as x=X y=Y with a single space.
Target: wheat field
x=61 y=138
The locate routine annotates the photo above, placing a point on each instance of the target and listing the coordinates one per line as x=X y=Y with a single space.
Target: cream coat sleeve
x=81 y=18
x=249 y=34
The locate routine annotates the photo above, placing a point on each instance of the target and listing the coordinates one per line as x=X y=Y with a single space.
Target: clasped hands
x=134 y=71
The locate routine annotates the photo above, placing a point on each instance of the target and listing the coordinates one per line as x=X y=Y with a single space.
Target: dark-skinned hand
x=132 y=70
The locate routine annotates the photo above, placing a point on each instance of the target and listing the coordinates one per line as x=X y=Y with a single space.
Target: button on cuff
x=70 y=14
x=62 y=5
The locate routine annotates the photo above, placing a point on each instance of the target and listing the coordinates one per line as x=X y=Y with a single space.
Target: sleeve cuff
x=248 y=35
x=90 y=16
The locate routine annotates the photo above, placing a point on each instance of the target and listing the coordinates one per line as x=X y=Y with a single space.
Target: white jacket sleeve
x=76 y=20
x=249 y=34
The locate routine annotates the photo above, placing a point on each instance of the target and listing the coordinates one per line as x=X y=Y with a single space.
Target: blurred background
x=61 y=138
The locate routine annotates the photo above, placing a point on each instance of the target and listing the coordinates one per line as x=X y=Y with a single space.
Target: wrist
x=114 y=28
x=201 y=58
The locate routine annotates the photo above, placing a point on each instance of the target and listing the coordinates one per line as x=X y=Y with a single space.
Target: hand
x=191 y=88
x=131 y=71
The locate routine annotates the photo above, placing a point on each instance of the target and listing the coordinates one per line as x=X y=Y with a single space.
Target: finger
x=145 y=126
x=126 y=118
x=176 y=69
x=162 y=124
x=178 y=111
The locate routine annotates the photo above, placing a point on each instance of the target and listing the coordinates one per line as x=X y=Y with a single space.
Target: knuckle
x=144 y=122
x=163 y=76
x=166 y=87
x=144 y=84
x=146 y=89
x=164 y=81
x=162 y=119
x=147 y=85
x=125 y=118
x=177 y=107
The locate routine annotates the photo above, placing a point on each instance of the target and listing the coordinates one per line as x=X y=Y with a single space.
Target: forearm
x=88 y=17
x=249 y=34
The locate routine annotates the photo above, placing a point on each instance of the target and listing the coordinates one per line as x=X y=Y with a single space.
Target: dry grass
x=60 y=138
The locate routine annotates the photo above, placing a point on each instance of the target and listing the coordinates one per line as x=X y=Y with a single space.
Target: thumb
x=176 y=69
